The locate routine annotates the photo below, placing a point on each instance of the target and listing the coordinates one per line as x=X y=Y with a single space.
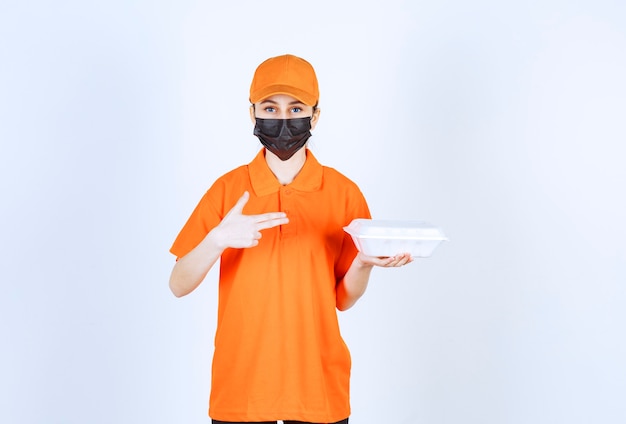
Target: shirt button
x=288 y=192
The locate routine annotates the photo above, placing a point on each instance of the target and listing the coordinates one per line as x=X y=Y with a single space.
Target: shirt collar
x=264 y=182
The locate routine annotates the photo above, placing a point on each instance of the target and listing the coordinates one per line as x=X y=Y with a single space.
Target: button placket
x=286 y=202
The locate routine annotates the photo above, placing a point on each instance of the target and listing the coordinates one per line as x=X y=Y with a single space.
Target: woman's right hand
x=237 y=230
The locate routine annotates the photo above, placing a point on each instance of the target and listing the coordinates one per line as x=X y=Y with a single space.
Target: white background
x=502 y=122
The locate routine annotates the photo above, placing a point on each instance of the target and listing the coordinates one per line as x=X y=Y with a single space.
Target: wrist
x=214 y=241
x=362 y=261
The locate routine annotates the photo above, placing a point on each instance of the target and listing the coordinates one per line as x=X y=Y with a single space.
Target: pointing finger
x=269 y=216
x=274 y=221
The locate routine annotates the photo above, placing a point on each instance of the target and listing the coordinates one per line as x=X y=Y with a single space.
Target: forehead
x=281 y=99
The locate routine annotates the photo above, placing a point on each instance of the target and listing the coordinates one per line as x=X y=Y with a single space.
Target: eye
x=270 y=109
x=296 y=109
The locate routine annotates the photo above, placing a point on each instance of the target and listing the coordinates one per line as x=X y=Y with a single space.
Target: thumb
x=238 y=208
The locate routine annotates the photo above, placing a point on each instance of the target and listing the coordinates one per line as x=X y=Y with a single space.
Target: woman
x=286 y=264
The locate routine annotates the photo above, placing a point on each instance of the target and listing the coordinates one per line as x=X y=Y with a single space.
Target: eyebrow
x=295 y=102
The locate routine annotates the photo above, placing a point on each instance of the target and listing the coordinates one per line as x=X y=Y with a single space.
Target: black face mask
x=283 y=137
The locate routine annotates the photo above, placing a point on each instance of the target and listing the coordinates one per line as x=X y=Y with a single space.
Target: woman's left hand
x=386 y=261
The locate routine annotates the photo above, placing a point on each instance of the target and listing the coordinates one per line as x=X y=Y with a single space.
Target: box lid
x=394 y=229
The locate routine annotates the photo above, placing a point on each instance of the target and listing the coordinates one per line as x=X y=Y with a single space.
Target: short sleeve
x=356 y=207
x=207 y=214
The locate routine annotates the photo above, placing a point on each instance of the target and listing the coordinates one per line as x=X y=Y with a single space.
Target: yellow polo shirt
x=279 y=354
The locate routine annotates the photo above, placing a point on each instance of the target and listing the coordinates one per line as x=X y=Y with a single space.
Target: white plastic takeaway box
x=388 y=238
